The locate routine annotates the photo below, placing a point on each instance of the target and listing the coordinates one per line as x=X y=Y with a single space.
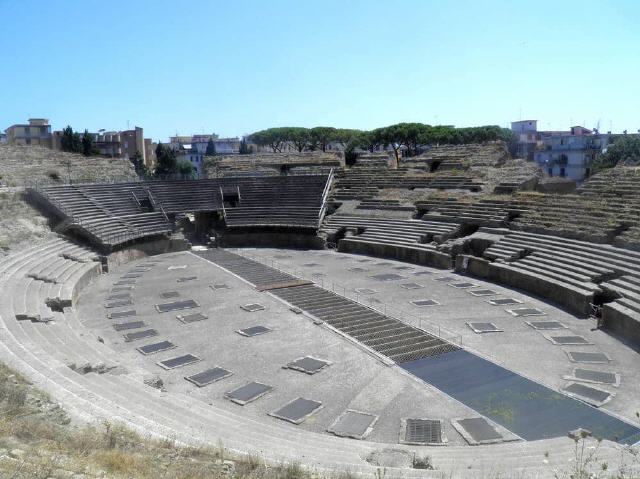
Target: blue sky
x=236 y=66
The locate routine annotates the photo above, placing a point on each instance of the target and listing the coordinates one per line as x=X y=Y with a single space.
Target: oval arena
x=350 y=318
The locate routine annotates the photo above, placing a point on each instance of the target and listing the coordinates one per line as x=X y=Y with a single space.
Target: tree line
x=410 y=138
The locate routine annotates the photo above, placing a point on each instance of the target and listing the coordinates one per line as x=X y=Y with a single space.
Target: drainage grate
x=124 y=282
x=421 y=431
x=247 y=393
x=411 y=286
x=253 y=331
x=114 y=297
x=403 y=268
x=504 y=301
x=569 y=340
x=310 y=264
x=118 y=304
x=131 y=275
x=364 y=260
x=115 y=289
x=387 y=277
x=354 y=424
x=444 y=279
x=308 y=365
x=585 y=357
x=209 y=376
x=297 y=410
x=147 y=333
x=546 y=325
x=477 y=430
x=365 y=291
x=358 y=270
x=521 y=312
x=178 y=361
x=590 y=375
x=156 y=347
x=252 y=307
x=129 y=325
x=463 y=285
x=424 y=302
x=176 y=305
x=484 y=328
x=218 y=286
x=181 y=266
x=422 y=273
x=593 y=396
x=169 y=294
x=191 y=318
x=483 y=292
x=121 y=314
x=184 y=279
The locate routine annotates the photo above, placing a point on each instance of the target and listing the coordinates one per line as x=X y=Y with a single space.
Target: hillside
x=33 y=163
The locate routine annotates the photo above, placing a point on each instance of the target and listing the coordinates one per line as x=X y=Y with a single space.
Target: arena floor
x=354 y=379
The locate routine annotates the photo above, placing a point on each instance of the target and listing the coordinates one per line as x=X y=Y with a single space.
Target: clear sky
x=236 y=66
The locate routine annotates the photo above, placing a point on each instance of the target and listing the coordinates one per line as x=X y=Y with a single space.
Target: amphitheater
x=351 y=318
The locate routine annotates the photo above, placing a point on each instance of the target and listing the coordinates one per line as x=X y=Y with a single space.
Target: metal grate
x=118 y=304
x=115 y=289
x=247 y=393
x=444 y=279
x=387 y=277
x=423 y=431
x=411 y=286
x=483 y=292
x=354 y=424
x=357 y=269
x=121 y=314
x=147 y=333
x=424 y=302
x=124 y=282
x=569 y=340
x=218 y=286
x=297 y=410
x=546 y=325
x=308 y=365
x=484 y=328
x=593 y=396
x=169 y=294
x=477 y=430
x=463 y=285
x=253 y=331
x=504 y=301
x=365 y=291
x=129 y=325
x=191 y=318
x=176 y=305
x=117 y=296
x=590 y=375
x=156 y=347
x=184 y=279
x=209 y=376
x=522 y=312
x=586 y=357
x=178 y=361
x=252 y=307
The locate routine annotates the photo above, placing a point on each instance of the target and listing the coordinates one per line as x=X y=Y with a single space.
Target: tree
x=70 y=141
x=211 y=148
x=166 y=163
x=185 y=169
x=244 y=148
x=272 y=137
x=87 y=144
x=138 y=164
x=300 y=137
x=321 y=136
x=625 y=150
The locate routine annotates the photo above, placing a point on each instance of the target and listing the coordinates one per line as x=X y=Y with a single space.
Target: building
x=36 y=132
x=570 y=154
x=3 y=138
x=187 y=152
x=526 y=132
x=224 y=146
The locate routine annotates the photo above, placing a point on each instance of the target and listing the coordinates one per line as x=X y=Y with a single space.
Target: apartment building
x=37 y=133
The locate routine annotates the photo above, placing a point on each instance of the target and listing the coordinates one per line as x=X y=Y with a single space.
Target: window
x=550 y=171
x=562 y=173
x=28 y=141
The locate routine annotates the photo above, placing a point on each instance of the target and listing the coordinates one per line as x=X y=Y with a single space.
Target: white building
x=187 y=152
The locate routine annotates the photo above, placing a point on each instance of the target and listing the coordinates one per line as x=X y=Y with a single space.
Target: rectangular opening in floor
x=248 y=393
x=353 y=424
x=209 y=376
x=176 y=305
x=129 y=325
x=156 y=347
x=178 y=361
x=191 y=318
x=147 y=333
x=297 y=410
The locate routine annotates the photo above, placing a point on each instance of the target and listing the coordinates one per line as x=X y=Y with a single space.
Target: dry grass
x=19 y=222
